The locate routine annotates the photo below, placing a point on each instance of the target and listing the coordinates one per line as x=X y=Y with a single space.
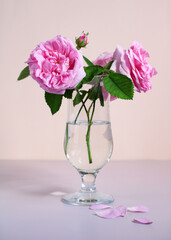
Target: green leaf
x=93 y=93
x=79 y=97
x=101 y=96
x=79 y=85
x=83 y=92
x=24 y=73
x=119 y=85
x=89 y=63
x=95 y=80
x=54 y=101
x=96 y=92
x=108 y=66
x=68 y=93
x=91 y=72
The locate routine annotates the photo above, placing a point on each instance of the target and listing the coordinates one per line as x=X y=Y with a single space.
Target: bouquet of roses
x=57 y=65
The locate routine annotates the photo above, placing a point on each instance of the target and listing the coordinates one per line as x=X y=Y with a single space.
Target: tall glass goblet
x=88 y=147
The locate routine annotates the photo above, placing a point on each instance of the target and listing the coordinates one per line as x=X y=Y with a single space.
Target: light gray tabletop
x=28 y=210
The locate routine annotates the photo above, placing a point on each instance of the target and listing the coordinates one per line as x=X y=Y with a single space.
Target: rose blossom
x=103 y=60
x=56 y=65
x=133 y=63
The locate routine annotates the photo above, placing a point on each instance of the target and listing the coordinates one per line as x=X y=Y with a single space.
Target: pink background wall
x=141 y=128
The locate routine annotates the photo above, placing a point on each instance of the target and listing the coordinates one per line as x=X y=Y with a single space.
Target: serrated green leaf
x=91 y=72
x=79 y=97
x=119 y=85
x=54 y=101
x=68 y=93
x=89 y=63
x=24 y=73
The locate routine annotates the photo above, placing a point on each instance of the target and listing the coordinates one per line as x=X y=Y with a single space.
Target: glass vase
x=88 y=147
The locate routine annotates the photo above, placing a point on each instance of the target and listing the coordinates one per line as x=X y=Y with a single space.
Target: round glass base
x=87 y=198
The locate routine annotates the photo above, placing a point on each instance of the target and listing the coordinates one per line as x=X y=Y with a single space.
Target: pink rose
x=103 y=60
x=56 y=65
x=133 y=63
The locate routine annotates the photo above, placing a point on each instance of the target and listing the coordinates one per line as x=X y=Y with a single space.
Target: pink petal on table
x=142 y=220
x=109 y=213
x=99 y=207
x=122 y=210
x=112 y=213
x=138 y=209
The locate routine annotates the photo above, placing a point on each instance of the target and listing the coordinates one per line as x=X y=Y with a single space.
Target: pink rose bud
x=82 y=41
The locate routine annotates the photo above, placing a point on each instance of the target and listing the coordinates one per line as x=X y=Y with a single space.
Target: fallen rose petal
x=122 y=210
x=142 y=220
x=99 y=207
x=138 y=209
x=109 y=213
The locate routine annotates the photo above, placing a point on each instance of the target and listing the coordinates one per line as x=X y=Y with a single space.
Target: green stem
x=83 y=105
x=89 y=120
x=87 y=113
x=88 y=133
x=90 y=107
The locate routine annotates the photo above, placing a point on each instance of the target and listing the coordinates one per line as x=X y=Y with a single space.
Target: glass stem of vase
x=88 y=182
